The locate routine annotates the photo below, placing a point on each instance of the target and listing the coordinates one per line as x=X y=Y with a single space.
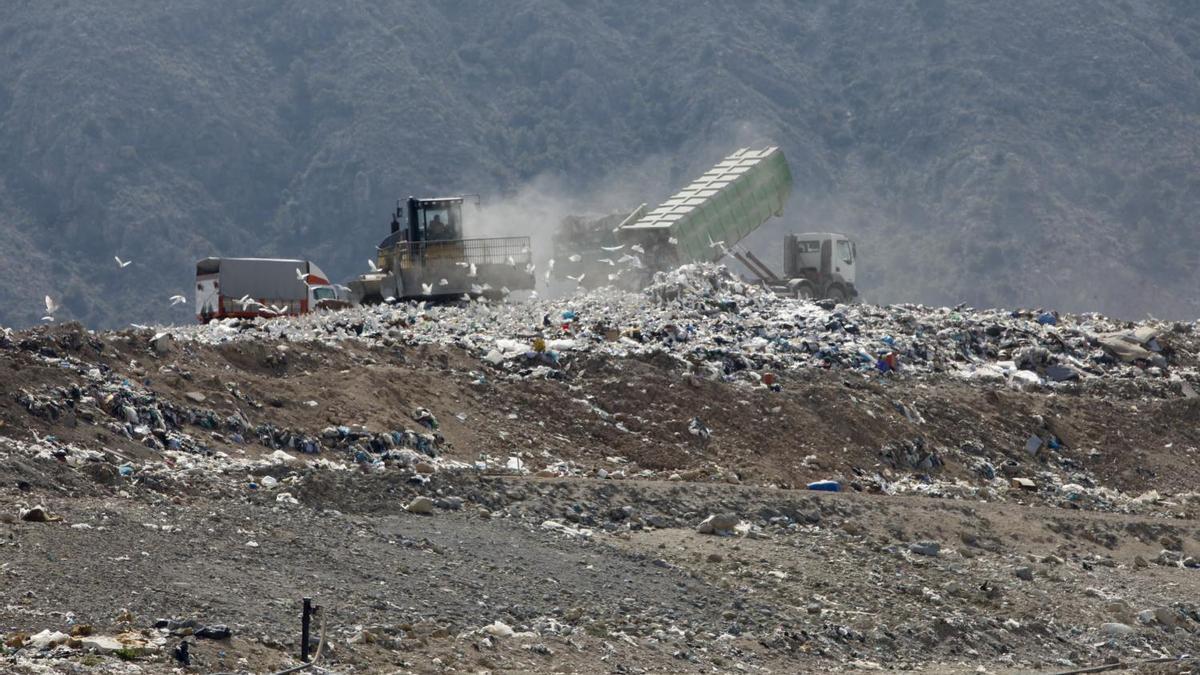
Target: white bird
x=626 y=258
x=613 y=276
x=427 y=289
x=472 y=272
x=578 y=279
x=301 y=276
x=637 y=248
x=504 y=290
x=372 y=265
x=177 y=300
x=672 y=241
x=512 y=262
x=246 y=302
x=466 y=297
x=550 y=263
x=139 y=326
x=574 y=257
x=547 y=276
x=476 y=289
x=606 y=260
x=51 y=306
x=279 y=309
x=461 y=263
x=391 y=299
x=122 y=263
x=529 y=268
x=613 y=248
x=443 y=282
x=714 y=244
x=524 y=250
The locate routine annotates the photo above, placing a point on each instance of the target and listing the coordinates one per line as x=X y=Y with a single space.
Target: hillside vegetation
x=1033 y=152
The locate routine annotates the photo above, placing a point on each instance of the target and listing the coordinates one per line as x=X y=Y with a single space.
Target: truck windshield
x=324 y=293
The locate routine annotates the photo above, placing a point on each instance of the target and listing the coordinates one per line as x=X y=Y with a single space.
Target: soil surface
x=563 y=530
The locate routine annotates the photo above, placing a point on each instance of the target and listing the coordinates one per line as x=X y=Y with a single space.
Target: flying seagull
x=372 y=265
x=51 y=305
x=443 y=282
x=606 y=260
x=427 y=289
x=472 y=272
x=574 y=257
x=637 y=248
x=578 y=279
x=613 y=248
x=122 y=263
x=714 y=244
x=177 y=300
x=672 y=241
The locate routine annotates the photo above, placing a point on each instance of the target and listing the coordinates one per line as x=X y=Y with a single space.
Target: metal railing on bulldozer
x=488 y=251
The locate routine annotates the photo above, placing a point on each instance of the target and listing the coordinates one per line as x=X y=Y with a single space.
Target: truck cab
x=821 y=265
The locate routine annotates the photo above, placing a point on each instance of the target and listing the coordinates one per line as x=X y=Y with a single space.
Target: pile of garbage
x=717 y=326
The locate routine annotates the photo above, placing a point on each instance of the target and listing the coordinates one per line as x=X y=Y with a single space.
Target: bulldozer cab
x=420 y=220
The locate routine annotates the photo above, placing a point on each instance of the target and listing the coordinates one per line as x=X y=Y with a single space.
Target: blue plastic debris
x=825 y=486
x=1047 y=319
x=125 y=469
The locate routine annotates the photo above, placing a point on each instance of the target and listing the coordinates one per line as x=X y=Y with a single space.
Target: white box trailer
x=252 y=287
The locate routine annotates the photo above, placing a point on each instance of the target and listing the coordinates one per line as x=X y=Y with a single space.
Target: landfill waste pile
x=702 y=476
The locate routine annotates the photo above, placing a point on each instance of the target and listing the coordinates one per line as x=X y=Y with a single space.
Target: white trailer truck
x=266 y=287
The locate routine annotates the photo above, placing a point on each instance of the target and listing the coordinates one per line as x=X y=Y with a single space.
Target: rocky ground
x=591 y=502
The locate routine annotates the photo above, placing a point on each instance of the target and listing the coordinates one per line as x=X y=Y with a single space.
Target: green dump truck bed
x=728 y=202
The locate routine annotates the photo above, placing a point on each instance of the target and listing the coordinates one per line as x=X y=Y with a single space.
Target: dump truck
x=426 y=256
x=266 y=287
x=706 y=220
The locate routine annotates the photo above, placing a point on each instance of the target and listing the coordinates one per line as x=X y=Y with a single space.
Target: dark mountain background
x=1030 y=152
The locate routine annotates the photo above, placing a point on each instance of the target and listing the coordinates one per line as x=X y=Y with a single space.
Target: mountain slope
x=1030 y=153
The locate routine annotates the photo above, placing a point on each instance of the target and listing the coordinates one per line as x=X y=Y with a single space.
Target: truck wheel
x=804 y=291
x=837 y=295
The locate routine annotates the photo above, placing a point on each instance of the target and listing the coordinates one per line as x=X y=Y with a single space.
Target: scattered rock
x=929 y=548
x=718 y=524
x=214 y=632
x=1116 y=629
x=421 y=505
x=498 y=629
